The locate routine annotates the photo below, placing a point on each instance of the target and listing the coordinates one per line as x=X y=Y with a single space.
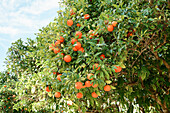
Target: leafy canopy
x=138 y=44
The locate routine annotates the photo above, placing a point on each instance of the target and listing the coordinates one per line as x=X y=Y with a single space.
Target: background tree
x=7 y=92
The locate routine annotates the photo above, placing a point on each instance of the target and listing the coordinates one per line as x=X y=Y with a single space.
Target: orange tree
x=7 y=92
x=98 y=56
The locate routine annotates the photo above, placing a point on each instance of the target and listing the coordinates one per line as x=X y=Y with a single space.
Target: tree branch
x=164 y=107
x=138 y=57
x=157 y=57
x=129 y=84
x=162 y=43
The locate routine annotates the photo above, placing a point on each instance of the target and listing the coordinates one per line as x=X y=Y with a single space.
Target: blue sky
x=23 y=18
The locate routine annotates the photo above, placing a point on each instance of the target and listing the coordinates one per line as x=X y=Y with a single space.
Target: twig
x=129 y=84
x=164 y=107
x=157 y=57
x=143 y=49
x=162 y=43
x=79 y=110
x=138 y=57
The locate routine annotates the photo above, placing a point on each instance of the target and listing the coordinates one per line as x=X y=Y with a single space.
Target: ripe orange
x=94 y=95
x=106 y=22
x=57 y=94
x=56 y=50
x=96 y=66
x=89 y=75
x=129 y=34
x=58 y=77
x=69 y=22
x=86 y=16
x=9 y=107
x=118 y=69
x=67 y=58
x=114 y=23
x=91 y=32
x=78 y=85
x=110 y=28
x=78 y=33
x=87 y=84
x=57 y=42
x=81 y=49
x=79 y=95
x=84 y=86
x=72 y=12
x=74 y=49
x=54 y=73
x=95 y=85
x=78 y=45
x=74 y=40
x=47 y=89
x=51 y=47
x=4 y=85
x=62 y=54
x=61 y=39
x=78 y=25
x=13 y=96
x=107 y=88
x=102 y=56
x=133 y=31
x=8 y=97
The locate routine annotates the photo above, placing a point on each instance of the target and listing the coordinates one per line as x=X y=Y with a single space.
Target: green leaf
x=112 y=87
x=91 y=101
x=98 y=93
x=154 y=87
x=101 y=40
x=106 y=73
x=97 y=54
x=143 y=76
x=122 y=65
x=78 y=60
x=114 y=5
x=108 y=81
x=88 y=103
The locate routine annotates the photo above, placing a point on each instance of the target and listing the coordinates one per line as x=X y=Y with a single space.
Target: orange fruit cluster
x=79 y=85
x=110 y=28
x=77 y=46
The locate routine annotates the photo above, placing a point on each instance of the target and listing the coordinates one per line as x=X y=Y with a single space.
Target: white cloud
x=8 y=30
x=23 y=18
x=39 y=6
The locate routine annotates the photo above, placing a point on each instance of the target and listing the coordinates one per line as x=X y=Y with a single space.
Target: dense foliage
x=123 y=50
x=7 y=92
